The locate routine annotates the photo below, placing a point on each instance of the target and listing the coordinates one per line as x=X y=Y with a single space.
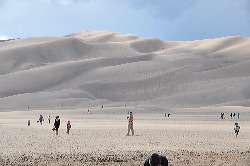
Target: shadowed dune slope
x=93 y=68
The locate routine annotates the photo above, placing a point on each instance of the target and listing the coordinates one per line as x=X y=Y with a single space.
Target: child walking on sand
x=29 y=123
x=236 y=129
x=68 y=127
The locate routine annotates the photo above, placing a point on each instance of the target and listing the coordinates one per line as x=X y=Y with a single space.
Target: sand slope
x=110 y=68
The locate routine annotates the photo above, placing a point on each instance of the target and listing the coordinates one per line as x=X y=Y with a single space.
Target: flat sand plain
x=188 y=137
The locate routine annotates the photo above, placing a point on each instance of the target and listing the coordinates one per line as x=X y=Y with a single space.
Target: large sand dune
x=123 y=69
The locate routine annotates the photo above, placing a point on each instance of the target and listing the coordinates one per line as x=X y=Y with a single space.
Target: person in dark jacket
x=156 y=160
x=57 y=124
x=41 y=119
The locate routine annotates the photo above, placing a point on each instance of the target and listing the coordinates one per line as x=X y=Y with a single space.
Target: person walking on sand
x=49 y=118
x=236 y=129
x=41 y=119
x=29 y=123
x=156 y=160
x=57 y=124
x=238 y=115
x=130 y=123
x=68 y=127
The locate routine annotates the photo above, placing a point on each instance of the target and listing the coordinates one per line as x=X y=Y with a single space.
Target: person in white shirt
x=49 y=118
x=236 y=129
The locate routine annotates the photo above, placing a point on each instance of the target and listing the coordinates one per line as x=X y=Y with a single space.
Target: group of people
x=166 y=115
x=131 y=127
x=222 y=115
x=234 y=114
x=154 y=159
x=236 y=127
x=56 y=123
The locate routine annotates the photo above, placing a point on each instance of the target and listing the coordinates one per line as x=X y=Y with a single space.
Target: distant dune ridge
x=93 y=68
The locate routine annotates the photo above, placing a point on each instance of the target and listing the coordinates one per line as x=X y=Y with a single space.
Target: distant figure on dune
x=236 y=129
x=49 y=118
x=156 y=160
x=102 y=106
x=234 y=114
x=56 y=124
x=231 y=115
x=41 y=119
x=238 y=115
x=130 y=123
x=168 y=115
x=68 y=127
x=29 y=123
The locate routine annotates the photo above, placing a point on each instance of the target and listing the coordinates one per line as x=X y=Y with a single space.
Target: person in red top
x=68 y=127
x=130 y=123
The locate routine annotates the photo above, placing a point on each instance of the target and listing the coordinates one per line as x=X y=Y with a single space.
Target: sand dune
x=126 y=68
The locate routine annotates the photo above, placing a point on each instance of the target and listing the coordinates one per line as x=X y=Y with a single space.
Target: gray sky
x=170 y=20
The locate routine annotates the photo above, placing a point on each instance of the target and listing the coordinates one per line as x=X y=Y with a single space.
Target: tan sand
x=187 y=137
x=191 y=80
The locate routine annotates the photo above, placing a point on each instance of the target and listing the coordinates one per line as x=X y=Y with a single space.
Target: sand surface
x=91 y=68
x=187 y=137
x=67 y=75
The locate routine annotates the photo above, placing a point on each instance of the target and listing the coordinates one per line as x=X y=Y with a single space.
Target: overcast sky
x=170 y=20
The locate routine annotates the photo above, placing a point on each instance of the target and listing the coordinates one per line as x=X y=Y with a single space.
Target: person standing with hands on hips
x=130 y=123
